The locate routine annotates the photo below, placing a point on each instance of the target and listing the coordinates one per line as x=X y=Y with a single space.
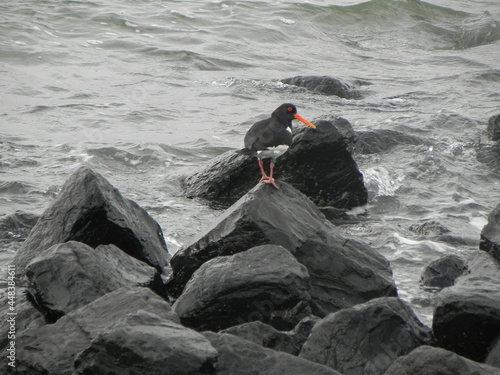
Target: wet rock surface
x=367 y=338
x=264 y=283
x=238 y=357
x=90 y=210
x=437 y=361
x=443 y=272
x=319 y=164
x=467 y=314
x=71 y=275
x=325 y=85
x=343 y=271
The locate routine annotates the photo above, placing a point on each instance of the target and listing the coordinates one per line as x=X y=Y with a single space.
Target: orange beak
x=302 y=119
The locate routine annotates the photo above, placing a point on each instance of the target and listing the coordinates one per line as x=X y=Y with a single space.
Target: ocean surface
x=145 y=92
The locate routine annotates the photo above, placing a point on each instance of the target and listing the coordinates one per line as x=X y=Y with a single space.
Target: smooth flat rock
x=467 y=314
x=343 y=271
x=241 y=357
x=367 y=338
x=90 y=210
x=318 y=163
x=264 y=283
x=438 y=361
x=70 y=275
x=143 y=343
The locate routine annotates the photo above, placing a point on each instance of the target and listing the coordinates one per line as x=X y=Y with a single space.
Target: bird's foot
x=270 y=180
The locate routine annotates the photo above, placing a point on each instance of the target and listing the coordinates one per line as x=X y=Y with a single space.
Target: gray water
x=145 y=92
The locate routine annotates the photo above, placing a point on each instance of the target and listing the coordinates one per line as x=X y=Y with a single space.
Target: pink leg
x=261 y=166
x=270 y=179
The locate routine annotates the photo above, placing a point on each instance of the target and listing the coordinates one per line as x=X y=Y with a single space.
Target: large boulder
x=269 y=337
x=467 y=314
x=265 y=283
x=143 y=343
x=490 y=235
x=70 y=275
x=325 y=85
x=367 y=338
x=318 y=164
x=241 y=357
x=443 y=272
x=343 y=271
x=90 y=210
x=438 y=361
x=52 y=348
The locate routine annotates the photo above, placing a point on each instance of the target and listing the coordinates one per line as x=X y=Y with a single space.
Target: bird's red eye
x=290 y=109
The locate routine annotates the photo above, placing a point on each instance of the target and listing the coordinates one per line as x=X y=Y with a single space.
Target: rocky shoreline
x=270 y=287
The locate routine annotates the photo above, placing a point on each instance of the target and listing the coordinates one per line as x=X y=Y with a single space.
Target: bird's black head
x=288 y=112
x=285 y=112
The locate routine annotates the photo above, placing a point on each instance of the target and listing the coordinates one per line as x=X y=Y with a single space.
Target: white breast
x=272 y=152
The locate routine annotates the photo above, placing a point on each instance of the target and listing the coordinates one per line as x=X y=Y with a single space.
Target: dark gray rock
x=90 y=210
x=367 y=338
x=383 y=140
x=264 y=283
x=493 y=358
x=70 y=275
x=443 y=272
x=325 y=85
x=51 y=349
x=318 y=164
x=493 y=129
x=490 y=235
x=343 y=271
x=467 y=314
x=264 y=335
x=437 y=361
x=241 y=357
x=143 y=343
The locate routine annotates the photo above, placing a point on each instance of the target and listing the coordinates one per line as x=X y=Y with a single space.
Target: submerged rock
x=343 y=271
x=367 y=338
x=325 y=85
x=443 y=272
x=17 y=226
x=143 y=343
x=383 y=140
x=241 y=357
x=284 y=341
x=70 y=275
x=437 y=361
x=265 y=283
x=493 y=129
x=318 y=164
x=90 y=210
x=467 y=314
x=490 y=235
x=52 y=348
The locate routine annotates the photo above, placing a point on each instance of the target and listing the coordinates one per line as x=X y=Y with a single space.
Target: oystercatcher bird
x=271 y=138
